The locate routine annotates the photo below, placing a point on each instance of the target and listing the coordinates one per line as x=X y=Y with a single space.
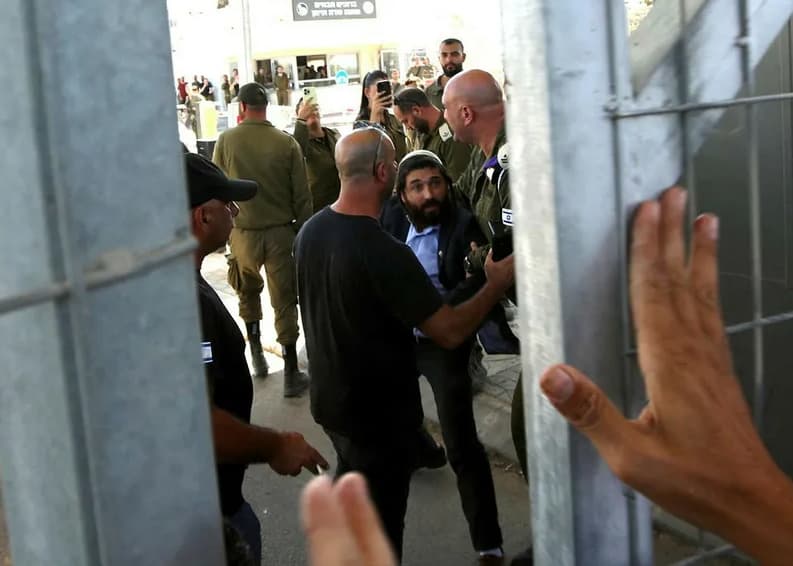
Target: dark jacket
x=457 y=230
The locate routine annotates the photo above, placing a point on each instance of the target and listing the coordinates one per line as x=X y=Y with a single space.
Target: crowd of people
x=396 y=238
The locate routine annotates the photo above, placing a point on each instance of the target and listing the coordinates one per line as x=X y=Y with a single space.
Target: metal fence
x=597 y=122
x=105 y=441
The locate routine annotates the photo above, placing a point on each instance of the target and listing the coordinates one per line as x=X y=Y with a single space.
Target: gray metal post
x=105 y=445
x=568 y=244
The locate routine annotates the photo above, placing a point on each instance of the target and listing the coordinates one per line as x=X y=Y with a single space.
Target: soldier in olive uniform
x=265 y=228
x=281 y=81
x=451 y=55
x=413 y=109
x=475 y=110
x=318 y=145
x=374 y=111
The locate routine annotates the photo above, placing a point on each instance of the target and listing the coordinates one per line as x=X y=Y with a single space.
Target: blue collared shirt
x=425 y=245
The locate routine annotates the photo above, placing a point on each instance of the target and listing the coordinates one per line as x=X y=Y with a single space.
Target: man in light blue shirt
x=423 y=215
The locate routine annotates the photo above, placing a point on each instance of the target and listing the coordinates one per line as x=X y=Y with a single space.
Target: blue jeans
x=247 y=523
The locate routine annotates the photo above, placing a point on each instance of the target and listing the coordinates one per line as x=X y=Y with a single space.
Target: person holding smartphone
x=318 y=144
x=376 y=99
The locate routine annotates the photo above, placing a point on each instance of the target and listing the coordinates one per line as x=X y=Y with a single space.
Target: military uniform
x=440 y=141
x=484 y=187
x=265 y=228
x=435 y=93
x=282 y=89
x=323 y=177
x=481 y=191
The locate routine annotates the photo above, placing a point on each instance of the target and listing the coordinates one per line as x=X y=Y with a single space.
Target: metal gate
x=598 y=120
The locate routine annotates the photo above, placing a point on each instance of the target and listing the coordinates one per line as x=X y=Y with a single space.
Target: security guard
x=414 y=110
x=475 y=110
x=318 y=145
x=266 y=226
x=451 y=56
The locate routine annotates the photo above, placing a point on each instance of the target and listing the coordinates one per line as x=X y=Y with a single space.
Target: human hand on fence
x=694 y=449
x=341 y=524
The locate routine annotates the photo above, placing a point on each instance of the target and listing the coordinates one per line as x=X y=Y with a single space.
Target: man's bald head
x=475 y=88
x=359 y=152
x=474 y=105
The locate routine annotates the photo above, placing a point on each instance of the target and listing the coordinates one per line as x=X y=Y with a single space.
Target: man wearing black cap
x=438 y=231
x=265 y=228
x=237 y=443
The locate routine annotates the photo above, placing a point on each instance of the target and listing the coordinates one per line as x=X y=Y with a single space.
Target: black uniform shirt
x=361 y=294
x=229 y=381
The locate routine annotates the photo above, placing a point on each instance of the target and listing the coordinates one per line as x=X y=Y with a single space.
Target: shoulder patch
x=503 y=156
x=206 y=352
x=445 y=132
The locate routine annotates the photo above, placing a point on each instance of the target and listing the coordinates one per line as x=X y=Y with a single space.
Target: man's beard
x=422 y=217
x=421 y=126
x=452 y=69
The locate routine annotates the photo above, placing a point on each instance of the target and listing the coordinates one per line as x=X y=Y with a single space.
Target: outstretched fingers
x=704 y=274
x=588 y=409
x=330 y=542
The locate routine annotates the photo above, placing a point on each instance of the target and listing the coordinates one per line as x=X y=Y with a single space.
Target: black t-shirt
x=229 y=381
x=361 y=294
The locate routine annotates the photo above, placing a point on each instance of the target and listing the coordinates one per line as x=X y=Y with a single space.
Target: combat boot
x=260 y=368
x=295 y=381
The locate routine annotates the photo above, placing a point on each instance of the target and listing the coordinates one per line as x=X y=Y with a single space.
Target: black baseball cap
x=253 y=94
x=206 y=181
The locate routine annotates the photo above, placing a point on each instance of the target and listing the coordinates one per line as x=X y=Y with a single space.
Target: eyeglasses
x=376 y=155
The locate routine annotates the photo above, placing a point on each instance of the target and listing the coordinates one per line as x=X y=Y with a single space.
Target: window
x=343 y=61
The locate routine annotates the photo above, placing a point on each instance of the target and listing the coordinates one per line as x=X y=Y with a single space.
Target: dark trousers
x=447 y=373
x=387 y=464
x=247 y=523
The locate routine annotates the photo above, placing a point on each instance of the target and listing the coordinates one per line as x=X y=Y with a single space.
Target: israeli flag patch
x=506 y=216
x=206 y=352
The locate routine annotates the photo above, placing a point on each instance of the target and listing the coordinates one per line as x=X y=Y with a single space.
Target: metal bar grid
x=619 y=114
x=721 y=551
x=574 y=78
x=683 y=110
x=114 y=268
x=629 y=392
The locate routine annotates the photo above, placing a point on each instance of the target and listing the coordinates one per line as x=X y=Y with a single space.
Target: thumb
x=588 y=409
x=330 y=542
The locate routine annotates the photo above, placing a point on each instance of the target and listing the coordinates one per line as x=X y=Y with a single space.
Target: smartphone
x=310 y=95
x=502 y=241
x=384 y=87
